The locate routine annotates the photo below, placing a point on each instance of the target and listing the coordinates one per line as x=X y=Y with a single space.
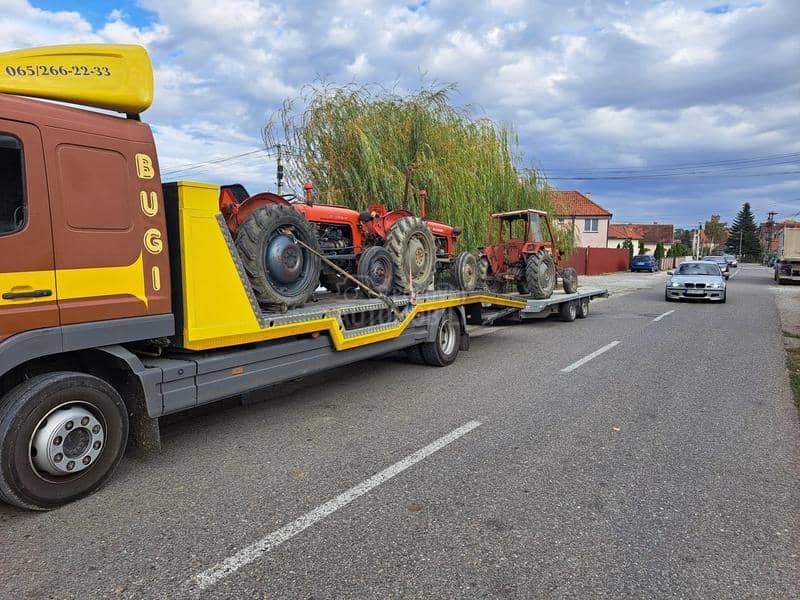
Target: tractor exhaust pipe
x=309 y=190
x=422 y=195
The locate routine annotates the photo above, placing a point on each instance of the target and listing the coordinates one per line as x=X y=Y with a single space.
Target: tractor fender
x=236 y=214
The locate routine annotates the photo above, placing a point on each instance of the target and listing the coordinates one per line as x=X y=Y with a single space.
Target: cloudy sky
x=663 y=111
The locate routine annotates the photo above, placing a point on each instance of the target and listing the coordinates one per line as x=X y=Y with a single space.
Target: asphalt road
x=665 y=467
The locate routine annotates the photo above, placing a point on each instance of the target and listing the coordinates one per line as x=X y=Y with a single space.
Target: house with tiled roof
x=648 y=233
x=588 y=220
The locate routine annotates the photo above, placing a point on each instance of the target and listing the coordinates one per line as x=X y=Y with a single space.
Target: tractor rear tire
x=465 y=270
x=569 y=280
x=376 y=270
x=413 y=250
x=280 y=271
x=540 y=275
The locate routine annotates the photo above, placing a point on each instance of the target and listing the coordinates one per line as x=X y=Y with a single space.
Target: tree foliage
x=642 y=247
x=715 y=230
x=357 y=144
x=629 y=245
x=659 y=252
x=744 y=234
x=679 y=249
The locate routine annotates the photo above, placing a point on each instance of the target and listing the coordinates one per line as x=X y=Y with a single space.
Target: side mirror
x=726 y=275
x=670 y=273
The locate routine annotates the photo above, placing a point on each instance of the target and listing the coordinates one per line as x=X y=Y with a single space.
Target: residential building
x=768 y=234
x=588 y=220
x=650 y=234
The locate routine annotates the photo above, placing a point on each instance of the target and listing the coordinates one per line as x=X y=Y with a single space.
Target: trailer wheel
x=413 y=250
x=568 y=311
x=375 y=269
x=540 y=275
x=280 y=271
x=569 y=280
x=61 y=437
x=583 y=308
x=444 y=349
x=465 y=269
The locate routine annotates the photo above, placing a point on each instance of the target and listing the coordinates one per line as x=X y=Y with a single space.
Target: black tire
x=376 y=269
x=568 y=311
x=486 y=278
x=22 y=415
x=540 y=275
x=465 y=271
x=569 y=280
x=583 y=308
x=444 y=349
x=413 y=250
x=259 y=235
x=414 y=354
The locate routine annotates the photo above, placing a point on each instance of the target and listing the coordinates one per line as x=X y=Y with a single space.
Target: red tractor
x=516 y=251
x=390 y=251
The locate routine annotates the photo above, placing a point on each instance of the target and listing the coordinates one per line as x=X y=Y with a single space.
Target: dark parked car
x=732 y=260
x=643 y=262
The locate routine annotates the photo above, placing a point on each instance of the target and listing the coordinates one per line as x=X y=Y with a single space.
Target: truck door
x=27 y=275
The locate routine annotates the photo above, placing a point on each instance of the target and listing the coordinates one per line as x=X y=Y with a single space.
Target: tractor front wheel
x=487 y=279
x=540 y=275
x=413 y=251
x=375 y=269
x=281 y=271
x=465 y=269
x=569 y=279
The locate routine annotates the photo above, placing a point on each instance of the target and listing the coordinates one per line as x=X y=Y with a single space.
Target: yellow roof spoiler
x=109 y=76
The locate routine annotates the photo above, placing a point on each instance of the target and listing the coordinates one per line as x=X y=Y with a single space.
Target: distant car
x=731 y=260
x=698 y=280
x=723 y=264
x=643 y=262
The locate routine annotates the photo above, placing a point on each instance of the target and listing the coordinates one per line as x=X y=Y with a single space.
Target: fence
x=670 y=262
x=594 y=261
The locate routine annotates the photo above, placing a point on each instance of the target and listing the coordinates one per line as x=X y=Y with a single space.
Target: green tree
x=685 y=237
x=629 y=245
x=715 y=230
x=642 y=247
x=360 y=145
x=658 y=253
x=744 y=235
x=679 y=249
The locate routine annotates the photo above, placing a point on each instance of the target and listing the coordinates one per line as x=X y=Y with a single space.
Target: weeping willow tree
x=363 y=145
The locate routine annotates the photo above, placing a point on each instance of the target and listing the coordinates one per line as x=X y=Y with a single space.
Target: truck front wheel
x=61 y=437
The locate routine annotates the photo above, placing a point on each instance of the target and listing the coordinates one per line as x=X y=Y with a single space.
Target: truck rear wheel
x=413 y=250
x=280 y=270
x=375 y=269
x=540 y=275
x=465 y=270
x=444 y=349
x=61 y=437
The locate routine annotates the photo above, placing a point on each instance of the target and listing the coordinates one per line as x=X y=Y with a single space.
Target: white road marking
x=245 y=556
x=586 y=359
x=659 y=317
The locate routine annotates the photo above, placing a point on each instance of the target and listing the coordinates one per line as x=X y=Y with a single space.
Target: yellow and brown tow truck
x=123 y=298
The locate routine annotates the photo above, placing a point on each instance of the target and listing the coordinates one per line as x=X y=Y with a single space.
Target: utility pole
x=770 y=221
x=279 y=160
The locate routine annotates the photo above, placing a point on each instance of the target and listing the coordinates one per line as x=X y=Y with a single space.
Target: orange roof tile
x=574 y=204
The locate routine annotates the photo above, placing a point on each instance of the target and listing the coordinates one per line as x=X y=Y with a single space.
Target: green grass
x=357 y=143
x=793 y=364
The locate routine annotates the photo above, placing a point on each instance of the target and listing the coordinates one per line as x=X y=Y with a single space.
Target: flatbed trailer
x=558 y=304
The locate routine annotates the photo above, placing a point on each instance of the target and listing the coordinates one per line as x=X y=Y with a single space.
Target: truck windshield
x=12 y=190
